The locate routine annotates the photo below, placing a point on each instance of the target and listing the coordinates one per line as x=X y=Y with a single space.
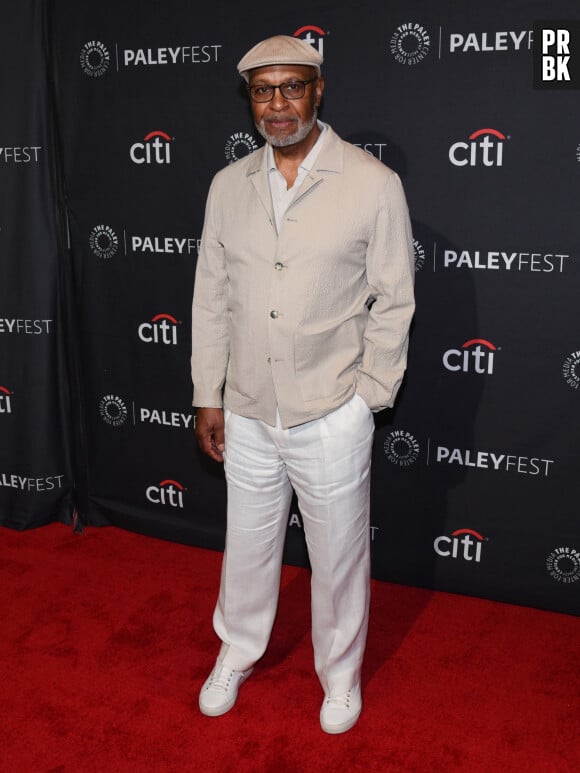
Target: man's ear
x=319 y=90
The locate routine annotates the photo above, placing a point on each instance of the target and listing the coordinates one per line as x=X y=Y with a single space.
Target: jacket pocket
x=325 y=360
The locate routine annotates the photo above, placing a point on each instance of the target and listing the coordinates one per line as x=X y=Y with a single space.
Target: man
x=302 y=305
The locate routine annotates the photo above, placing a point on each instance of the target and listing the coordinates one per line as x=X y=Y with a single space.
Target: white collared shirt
x=282 y=195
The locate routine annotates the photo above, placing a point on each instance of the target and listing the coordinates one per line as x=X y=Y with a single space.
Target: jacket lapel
x=257 y=173
x=330 y=159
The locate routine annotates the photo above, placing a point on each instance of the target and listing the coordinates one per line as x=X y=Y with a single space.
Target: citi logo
x=449 y=547
x=155 y=149
x=161 y=330
x=5 y=404
x=168 y=492
x=313 y=35
x=485 y=147
x=475 y=356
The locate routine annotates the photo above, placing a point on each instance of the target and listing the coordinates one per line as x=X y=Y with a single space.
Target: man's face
x=284 y=122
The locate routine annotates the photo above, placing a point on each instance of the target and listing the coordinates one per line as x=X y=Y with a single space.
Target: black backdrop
x=476 y=483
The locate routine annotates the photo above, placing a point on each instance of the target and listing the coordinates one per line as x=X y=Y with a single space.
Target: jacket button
x=268 y=360
x=274 y=314
x=278 y=266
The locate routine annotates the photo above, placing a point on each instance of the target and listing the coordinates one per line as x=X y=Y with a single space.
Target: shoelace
x=222 y=678
x=341 y=701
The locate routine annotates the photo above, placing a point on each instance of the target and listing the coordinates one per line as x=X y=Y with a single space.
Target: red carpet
x=106 y=639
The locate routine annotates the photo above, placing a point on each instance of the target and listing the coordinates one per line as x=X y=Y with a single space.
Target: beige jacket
x=288 y=319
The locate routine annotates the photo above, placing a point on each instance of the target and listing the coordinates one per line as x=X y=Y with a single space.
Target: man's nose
x=278 y=101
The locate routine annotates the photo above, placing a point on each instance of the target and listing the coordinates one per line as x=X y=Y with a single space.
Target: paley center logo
x=401 y=448
x=313 y=35
x=485 y=147
x=563 y=565
x=113 y=410
x=155 y=149
x=103 y=241
x=5 y=401
x=571 y=369
x=475 y=356
x=463 y=543
x=95 y=58
x=238 y=145
x=418 y=254
x=168 y=492
x=410 y=43
x=162 y=329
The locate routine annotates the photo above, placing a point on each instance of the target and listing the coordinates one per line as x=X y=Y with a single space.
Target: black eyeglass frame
x=280 y=86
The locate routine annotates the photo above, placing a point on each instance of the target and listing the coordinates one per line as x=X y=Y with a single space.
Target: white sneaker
x=340 y=713
x=220 y=690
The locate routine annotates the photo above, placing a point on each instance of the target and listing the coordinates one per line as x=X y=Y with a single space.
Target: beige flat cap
x=281 y=49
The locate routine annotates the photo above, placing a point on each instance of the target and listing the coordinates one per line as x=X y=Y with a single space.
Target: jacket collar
x=330 y=159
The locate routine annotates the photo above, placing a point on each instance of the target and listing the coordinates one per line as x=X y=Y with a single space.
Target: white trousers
x=327 y=462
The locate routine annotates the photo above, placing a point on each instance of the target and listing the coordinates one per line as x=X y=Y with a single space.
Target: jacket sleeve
x=209 y=334
x=390 y=276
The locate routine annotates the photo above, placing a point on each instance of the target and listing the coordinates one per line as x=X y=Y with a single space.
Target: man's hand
x=209 y=431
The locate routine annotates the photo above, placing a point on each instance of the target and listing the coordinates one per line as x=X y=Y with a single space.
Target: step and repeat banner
x=476 y=471
x=35 y=461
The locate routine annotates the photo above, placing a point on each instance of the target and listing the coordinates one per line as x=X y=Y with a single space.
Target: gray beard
x=303 y=130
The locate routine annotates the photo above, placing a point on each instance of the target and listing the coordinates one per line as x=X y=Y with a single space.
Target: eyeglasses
x=264 y=92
